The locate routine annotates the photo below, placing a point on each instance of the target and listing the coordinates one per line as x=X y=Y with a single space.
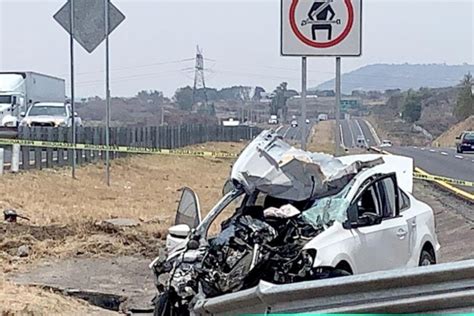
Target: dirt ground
x=322 y=137
x=454 y=222
x=22 y=300
x=64 y=212
x=448 y=138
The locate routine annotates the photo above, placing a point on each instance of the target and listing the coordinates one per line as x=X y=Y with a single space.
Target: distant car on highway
x=307 y=121
x=273 y=120
x=294 y=123
x=50 y=115
x=466 y=142
x=323 y=117
x=361 y=142
x=386 y=143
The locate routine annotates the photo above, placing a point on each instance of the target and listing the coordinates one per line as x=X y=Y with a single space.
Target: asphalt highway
x=437 y=161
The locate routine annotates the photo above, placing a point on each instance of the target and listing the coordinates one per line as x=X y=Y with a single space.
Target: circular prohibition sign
x=334 y=42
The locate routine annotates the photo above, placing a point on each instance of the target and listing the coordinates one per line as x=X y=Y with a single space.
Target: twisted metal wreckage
x=278 y=188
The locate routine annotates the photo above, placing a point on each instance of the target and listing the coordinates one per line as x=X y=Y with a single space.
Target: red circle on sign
x=339 y=39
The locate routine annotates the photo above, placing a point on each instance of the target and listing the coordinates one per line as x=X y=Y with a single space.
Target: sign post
x=322 y=28
x=90 y=22
x=107 y=92
x=304 y=80
x=73 y=100
x=338 y=106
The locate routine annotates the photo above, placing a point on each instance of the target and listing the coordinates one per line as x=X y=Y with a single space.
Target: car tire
x=426 y=259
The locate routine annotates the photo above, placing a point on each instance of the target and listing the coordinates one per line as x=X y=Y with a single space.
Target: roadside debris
x=11 y=216
x=23 y=251
x=119 y=222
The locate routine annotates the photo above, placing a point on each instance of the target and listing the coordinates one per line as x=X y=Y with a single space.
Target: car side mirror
x=354 y=221
x=179 y=231
x=228 y=187
x=22 y=114
x=458 y=137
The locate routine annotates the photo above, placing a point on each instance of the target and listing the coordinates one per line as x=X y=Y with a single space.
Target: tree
x=279 y=100
x=411 y=108
x=152 y=96
x=184 y=98
x=257 y=95
x=465 y=103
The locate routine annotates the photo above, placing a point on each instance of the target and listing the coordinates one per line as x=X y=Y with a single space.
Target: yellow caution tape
x=429 y=177
x=120 y=149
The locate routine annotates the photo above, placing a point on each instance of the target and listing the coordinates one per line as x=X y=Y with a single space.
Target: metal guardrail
x=438 y=288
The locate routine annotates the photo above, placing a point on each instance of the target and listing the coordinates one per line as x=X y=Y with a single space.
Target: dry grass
x=448 y=138
x=64 y=211
x=323 y=138
x=19 y=300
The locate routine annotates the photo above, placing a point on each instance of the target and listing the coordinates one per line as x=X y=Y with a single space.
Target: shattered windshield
x=324 y=212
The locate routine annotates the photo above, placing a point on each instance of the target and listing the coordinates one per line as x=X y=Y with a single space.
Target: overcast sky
x=153 y=47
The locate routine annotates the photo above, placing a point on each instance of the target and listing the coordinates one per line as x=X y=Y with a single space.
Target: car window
x=368 y=202
x=47 y=110
x=469 y=136
x=404 y=201
x=388 y=203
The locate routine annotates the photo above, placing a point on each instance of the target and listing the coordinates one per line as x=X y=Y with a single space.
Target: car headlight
x=60 y=123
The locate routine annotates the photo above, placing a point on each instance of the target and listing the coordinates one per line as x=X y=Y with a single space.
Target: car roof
x=51 y=104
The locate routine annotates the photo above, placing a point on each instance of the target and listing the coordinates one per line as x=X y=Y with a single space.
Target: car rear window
x=469 y=136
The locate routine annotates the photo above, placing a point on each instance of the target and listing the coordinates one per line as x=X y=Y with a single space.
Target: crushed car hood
x=273 y=167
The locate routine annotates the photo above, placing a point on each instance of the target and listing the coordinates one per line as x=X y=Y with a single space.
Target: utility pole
x=199 y=82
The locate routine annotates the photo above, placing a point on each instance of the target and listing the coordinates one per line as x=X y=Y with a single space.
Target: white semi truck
x=20 y=90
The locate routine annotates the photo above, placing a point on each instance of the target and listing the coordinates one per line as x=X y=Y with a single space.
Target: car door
x=385 y=245
x=189 y=211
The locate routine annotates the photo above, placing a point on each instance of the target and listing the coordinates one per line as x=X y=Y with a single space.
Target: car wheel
x=426 y=259
x=165 y=305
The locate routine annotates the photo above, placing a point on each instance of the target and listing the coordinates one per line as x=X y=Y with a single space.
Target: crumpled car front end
x=289 y=197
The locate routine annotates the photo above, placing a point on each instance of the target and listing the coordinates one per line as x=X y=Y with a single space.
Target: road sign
x=321 y=27
x=89 y=21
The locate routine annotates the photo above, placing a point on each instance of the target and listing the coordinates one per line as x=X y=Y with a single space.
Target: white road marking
x=286 y=133
x=443 y=153
x=422 y=149
x=342 y=135
x=459 y=157
x=279 y=129
x=415 y=147
x=432 y=151
x=360 y=128
x=373 y=132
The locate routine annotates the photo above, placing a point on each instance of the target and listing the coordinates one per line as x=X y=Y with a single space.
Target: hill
x=402 y=76
x=448 y=138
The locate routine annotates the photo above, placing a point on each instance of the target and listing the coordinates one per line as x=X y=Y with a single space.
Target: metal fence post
x=15 y=166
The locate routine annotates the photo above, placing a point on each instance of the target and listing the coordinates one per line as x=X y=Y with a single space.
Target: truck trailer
x=20 y=90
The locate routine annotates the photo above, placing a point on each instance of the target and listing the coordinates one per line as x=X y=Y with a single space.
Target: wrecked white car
x=295 y=216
